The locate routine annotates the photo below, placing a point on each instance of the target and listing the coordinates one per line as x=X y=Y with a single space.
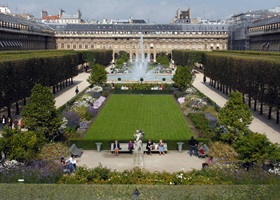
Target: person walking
x=16 y=123
x=77 y=90
x=193 y=146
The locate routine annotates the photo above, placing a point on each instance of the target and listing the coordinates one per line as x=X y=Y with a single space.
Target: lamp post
x=136 y=194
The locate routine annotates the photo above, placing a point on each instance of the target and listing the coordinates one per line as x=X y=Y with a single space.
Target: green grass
x=158 y=116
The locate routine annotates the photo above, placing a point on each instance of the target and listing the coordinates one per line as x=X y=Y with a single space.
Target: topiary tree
x=98 y=75
x=40 y=113
x=235 y=116
x=182 y=77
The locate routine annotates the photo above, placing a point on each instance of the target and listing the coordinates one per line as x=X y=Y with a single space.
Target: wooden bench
x=123 y=147
x=77 y=152
x=154 y=149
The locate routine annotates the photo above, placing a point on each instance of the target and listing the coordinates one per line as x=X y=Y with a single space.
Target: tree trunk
x=277 y=116
x=57 y=87
x=269 y=112
x=243 y=96
x=66 y=82
x=249 y=101
x=261 y=108
x=17 y=108
x=9 y=110
x=72 y=80
x=54 y=89
x=255 y=105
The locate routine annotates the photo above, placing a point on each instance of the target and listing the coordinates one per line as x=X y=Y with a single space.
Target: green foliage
x=98 y=75
x=82 y=111
x=163 y=60
x=102 y=57
x=27 y=68
x=40 y=113
x=53 y=152
x=256 y=147
x=235 y=116
x=21 y=146
x=201 y=123
x=182 y=77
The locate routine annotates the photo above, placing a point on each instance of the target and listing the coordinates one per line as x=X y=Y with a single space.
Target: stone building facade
x=264 y=35
x=21 y=34
x=156 y=37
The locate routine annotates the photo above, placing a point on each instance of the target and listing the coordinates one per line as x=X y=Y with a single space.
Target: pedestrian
x=16 y=123
x=10 y=122
x=3 y=121
x=77 y=90
x=193 y=146
x=204 y=79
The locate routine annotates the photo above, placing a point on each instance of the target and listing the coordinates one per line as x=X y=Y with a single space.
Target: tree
x=235 y=116
x=256 y=147
x=163 y=60
x=40 y=113
x=182 y=77
x=98 y=75
x=21 y=146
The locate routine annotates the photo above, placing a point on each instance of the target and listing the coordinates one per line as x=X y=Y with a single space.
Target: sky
x=152 y=11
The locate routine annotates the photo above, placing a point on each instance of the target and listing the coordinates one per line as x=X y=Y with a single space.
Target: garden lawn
x=158 y=116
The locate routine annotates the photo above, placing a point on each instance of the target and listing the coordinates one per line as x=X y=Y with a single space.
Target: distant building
x=62 y=18
x=5 y=10
x=22 y=34
x=182 y=17
x=264 y=34
x=123 y=21
x=238 y=27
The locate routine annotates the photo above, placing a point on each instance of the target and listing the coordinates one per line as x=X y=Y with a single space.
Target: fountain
x=140 y=72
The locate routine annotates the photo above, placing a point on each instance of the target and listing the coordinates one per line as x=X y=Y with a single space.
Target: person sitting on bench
x=68 y=166
x=130 y=146
x=149 y=147
x=116 y=147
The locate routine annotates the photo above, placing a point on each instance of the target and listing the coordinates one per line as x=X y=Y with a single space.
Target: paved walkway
x=173 y=161
x=259 y=124
x=68 y=93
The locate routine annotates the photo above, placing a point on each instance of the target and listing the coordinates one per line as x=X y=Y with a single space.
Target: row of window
x=110 y=46
x=4 y=24
x=140 y=33
x=267 y=27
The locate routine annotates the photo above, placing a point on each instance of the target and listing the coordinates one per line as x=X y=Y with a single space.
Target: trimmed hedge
x=70 y=191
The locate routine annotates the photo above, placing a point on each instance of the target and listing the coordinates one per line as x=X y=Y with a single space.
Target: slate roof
x=266 y=21
x=33 y=25
x=139 y=27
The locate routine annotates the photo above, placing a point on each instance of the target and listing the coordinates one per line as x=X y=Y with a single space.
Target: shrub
x=82 y=111
x=73 y=119
x=21 y=146
x=53 y=151
x=33 y=172
x=93 y=111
